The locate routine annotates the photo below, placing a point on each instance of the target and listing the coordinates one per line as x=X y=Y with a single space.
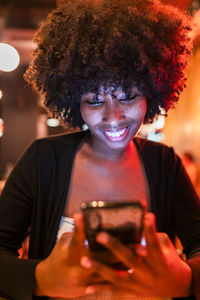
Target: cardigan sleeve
x=186 y=215
x=17 y=276
x=194 y=264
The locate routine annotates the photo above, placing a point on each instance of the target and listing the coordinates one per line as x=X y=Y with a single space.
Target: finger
x=141 y=250
x=91 y=289
x=79 y=234
x=166 y=243
x=87 y=264
x=164 y=239
x=77 y=246
x=65 y=239
x=152 y=242
x=107 y=273
x=125 y=280
x=80 y=276
x=89 y=272
x=128 y=292
x=124 y=254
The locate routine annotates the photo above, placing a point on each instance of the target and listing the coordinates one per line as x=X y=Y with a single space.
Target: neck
x=96 y=150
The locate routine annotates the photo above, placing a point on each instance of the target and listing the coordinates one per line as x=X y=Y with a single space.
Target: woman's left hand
x=155 y=270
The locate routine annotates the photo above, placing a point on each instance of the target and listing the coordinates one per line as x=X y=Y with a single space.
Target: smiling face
x=113 y=117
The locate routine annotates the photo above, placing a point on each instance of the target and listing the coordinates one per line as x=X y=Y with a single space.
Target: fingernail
x=146 y=219
x=102 y=238
x=78 y=217
x=86 y=262
x=150 y=222
x=90 y=290
x=149 y=219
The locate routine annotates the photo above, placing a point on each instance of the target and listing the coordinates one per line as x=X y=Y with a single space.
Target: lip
x=116 y=135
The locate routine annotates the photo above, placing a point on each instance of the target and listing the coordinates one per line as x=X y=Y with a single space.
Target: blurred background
x=22 y=117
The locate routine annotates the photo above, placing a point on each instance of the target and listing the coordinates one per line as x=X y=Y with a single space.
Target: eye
x=96 y=101
x=128 y=100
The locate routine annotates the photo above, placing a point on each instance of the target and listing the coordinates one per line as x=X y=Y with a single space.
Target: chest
x=92 y=180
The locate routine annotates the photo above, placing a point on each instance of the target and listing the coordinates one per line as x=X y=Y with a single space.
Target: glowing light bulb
x=9 y=58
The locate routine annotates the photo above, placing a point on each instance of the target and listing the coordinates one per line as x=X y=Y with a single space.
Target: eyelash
x=97 y=103
x=94 y=103
x=129 y=99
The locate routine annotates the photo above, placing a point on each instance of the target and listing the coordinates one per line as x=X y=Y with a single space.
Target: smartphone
x=123 y=220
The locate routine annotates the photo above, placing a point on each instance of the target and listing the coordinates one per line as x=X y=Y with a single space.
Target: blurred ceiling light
x=9 y=58
x=53 y=123
x=1 y=94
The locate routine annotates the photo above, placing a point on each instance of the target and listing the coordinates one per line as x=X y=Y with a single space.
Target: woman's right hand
x=60 y=274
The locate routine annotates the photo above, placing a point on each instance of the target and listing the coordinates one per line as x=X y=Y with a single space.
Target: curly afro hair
x=87 y=43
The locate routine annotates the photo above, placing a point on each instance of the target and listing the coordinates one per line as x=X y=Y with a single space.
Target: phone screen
x=122 y=220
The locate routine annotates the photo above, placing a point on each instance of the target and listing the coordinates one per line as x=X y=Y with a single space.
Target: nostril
x=113 y=117
x=122 y=117
x=104 y=119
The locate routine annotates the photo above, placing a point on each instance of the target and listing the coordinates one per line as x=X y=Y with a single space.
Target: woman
x=111 y=65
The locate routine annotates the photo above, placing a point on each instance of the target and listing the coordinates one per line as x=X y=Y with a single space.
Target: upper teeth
x=115 y=133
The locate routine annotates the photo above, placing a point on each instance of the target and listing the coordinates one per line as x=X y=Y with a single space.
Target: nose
x=113 y=113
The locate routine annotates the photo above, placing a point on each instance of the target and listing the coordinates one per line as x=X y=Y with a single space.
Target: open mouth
x=116 y=134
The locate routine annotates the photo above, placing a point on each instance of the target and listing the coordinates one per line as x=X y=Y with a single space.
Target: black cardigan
x=35 y=195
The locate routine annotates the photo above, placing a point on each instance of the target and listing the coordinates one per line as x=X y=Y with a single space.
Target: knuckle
x=129 y=256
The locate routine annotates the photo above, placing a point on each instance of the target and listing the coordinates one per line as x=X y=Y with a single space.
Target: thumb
x=79 y=234
x=166 y=244
x=164 y=239
x=65 y=239
x=150 y=233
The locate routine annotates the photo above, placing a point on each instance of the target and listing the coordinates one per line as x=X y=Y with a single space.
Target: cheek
x=143 y=107
x=90 y=117
x=139 y=110
x=83 y=111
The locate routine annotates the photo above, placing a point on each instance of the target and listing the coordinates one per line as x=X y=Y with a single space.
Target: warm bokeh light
x=53 y=122
x=1 y=127
x=160 y=122
x=1 y=94
x=9 y=58
x=183 y=4
x=153 y=131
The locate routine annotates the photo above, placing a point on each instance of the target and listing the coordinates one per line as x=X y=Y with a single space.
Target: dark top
x=35 y=195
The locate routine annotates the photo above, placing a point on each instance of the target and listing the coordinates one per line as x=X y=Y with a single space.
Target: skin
x=109 y=152
x=70 y=271
x=113 y=112
x=157 y=262
x=61 y=275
